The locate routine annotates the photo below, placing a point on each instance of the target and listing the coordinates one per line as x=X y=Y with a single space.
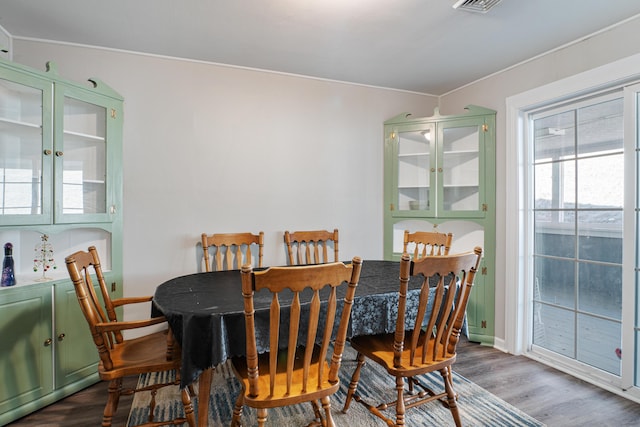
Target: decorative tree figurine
x=44 y=257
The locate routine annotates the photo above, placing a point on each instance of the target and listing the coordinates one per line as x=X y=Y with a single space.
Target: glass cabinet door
x=25 y=150
x=82 y=160
x=460 y=167
x=414 y=169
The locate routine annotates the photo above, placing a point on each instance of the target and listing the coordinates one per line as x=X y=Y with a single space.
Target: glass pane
x=84 y=118
x=461 y=168
x=599 y=341
x=600 y=236
x=600 y=289
x=600 y=127
x=554 y=137
x=601 y=182
x=84 y=161
x=555 y=281
x=413 y=169
x=20 y=103
x=20 y=149
x=555 y=329
x=554 y=234
x=554 y=185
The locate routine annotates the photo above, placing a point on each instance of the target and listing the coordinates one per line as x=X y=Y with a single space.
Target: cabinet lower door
x=26 y=354
x=480 y=312
x=76 y=354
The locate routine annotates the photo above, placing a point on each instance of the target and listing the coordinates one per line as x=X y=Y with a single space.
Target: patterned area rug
x=477 y=406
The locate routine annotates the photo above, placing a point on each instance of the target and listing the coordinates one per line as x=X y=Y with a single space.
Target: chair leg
x=326 y=405
x=237 y=410
x=188 y=408
x=400 y=408
x=410 y=384
x=353 y=385
x=451 y=396
x=316 y=411
x=262 y=417
x=115 y=387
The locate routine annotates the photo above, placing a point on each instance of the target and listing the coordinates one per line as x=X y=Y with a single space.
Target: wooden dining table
x=206 y=314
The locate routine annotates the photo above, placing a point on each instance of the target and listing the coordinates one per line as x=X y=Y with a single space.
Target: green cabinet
x=440 y=174
x=60 y=176
x=25 y=359
x=76 y=355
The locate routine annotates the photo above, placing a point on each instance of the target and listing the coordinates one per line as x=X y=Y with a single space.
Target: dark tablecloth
x=206 y=312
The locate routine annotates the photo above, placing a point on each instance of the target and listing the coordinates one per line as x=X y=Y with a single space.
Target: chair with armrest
x=430 y=343
x=310 y=247
x=120 y=357
x=231 y=250
x=293 y=371
x=427 y=243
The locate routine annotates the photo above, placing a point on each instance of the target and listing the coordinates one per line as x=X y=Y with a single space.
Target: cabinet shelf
x=413 y=155
x=84 y=136
x=461 y=153
x=10 y=122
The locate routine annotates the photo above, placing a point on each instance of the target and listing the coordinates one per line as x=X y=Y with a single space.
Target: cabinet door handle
x=47 y=152
x=440 y=170
x=48 y=342
x=59 y=153
x=61 y=337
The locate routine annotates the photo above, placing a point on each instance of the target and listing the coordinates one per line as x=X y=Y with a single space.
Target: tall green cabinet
x=440 y=175
x=60 y=177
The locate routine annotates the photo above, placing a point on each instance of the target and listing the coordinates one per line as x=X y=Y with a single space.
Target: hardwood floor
x=555 y=398
x=550 y=396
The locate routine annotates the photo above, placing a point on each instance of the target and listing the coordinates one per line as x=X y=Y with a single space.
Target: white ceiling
x=417 y=45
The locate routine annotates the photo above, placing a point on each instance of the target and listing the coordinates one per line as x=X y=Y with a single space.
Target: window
x=577 y=205
x=572 y=255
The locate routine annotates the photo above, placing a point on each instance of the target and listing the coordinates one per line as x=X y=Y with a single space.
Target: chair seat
x=380 y=349
x=139 y=355
x=280 y=396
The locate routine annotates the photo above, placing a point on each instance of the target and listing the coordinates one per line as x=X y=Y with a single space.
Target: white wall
x=491 y=92
x=210 y=148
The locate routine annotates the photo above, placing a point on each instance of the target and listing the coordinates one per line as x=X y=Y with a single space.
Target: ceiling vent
x=481 y=6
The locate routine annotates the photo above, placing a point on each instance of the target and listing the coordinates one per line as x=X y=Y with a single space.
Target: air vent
x=481 y=6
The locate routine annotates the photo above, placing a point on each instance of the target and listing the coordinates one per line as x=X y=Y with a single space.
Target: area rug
x=477 y=406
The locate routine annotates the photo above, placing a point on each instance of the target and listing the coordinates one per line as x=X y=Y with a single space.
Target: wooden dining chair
x=293 y=371
x=231 y=250
x=427 y=243
x=430 y=343
x=311 y=247
x=119 y=357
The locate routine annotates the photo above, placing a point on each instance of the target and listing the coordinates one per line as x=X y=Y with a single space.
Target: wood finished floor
x=550 y=396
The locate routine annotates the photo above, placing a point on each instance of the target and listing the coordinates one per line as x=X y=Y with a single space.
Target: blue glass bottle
x=8 y=274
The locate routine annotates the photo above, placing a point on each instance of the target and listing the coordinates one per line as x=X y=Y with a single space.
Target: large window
x=577 y=163
x=572 y=255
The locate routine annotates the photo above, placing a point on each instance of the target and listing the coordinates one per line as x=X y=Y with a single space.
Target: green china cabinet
x=60 y=177
x=439 y=174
